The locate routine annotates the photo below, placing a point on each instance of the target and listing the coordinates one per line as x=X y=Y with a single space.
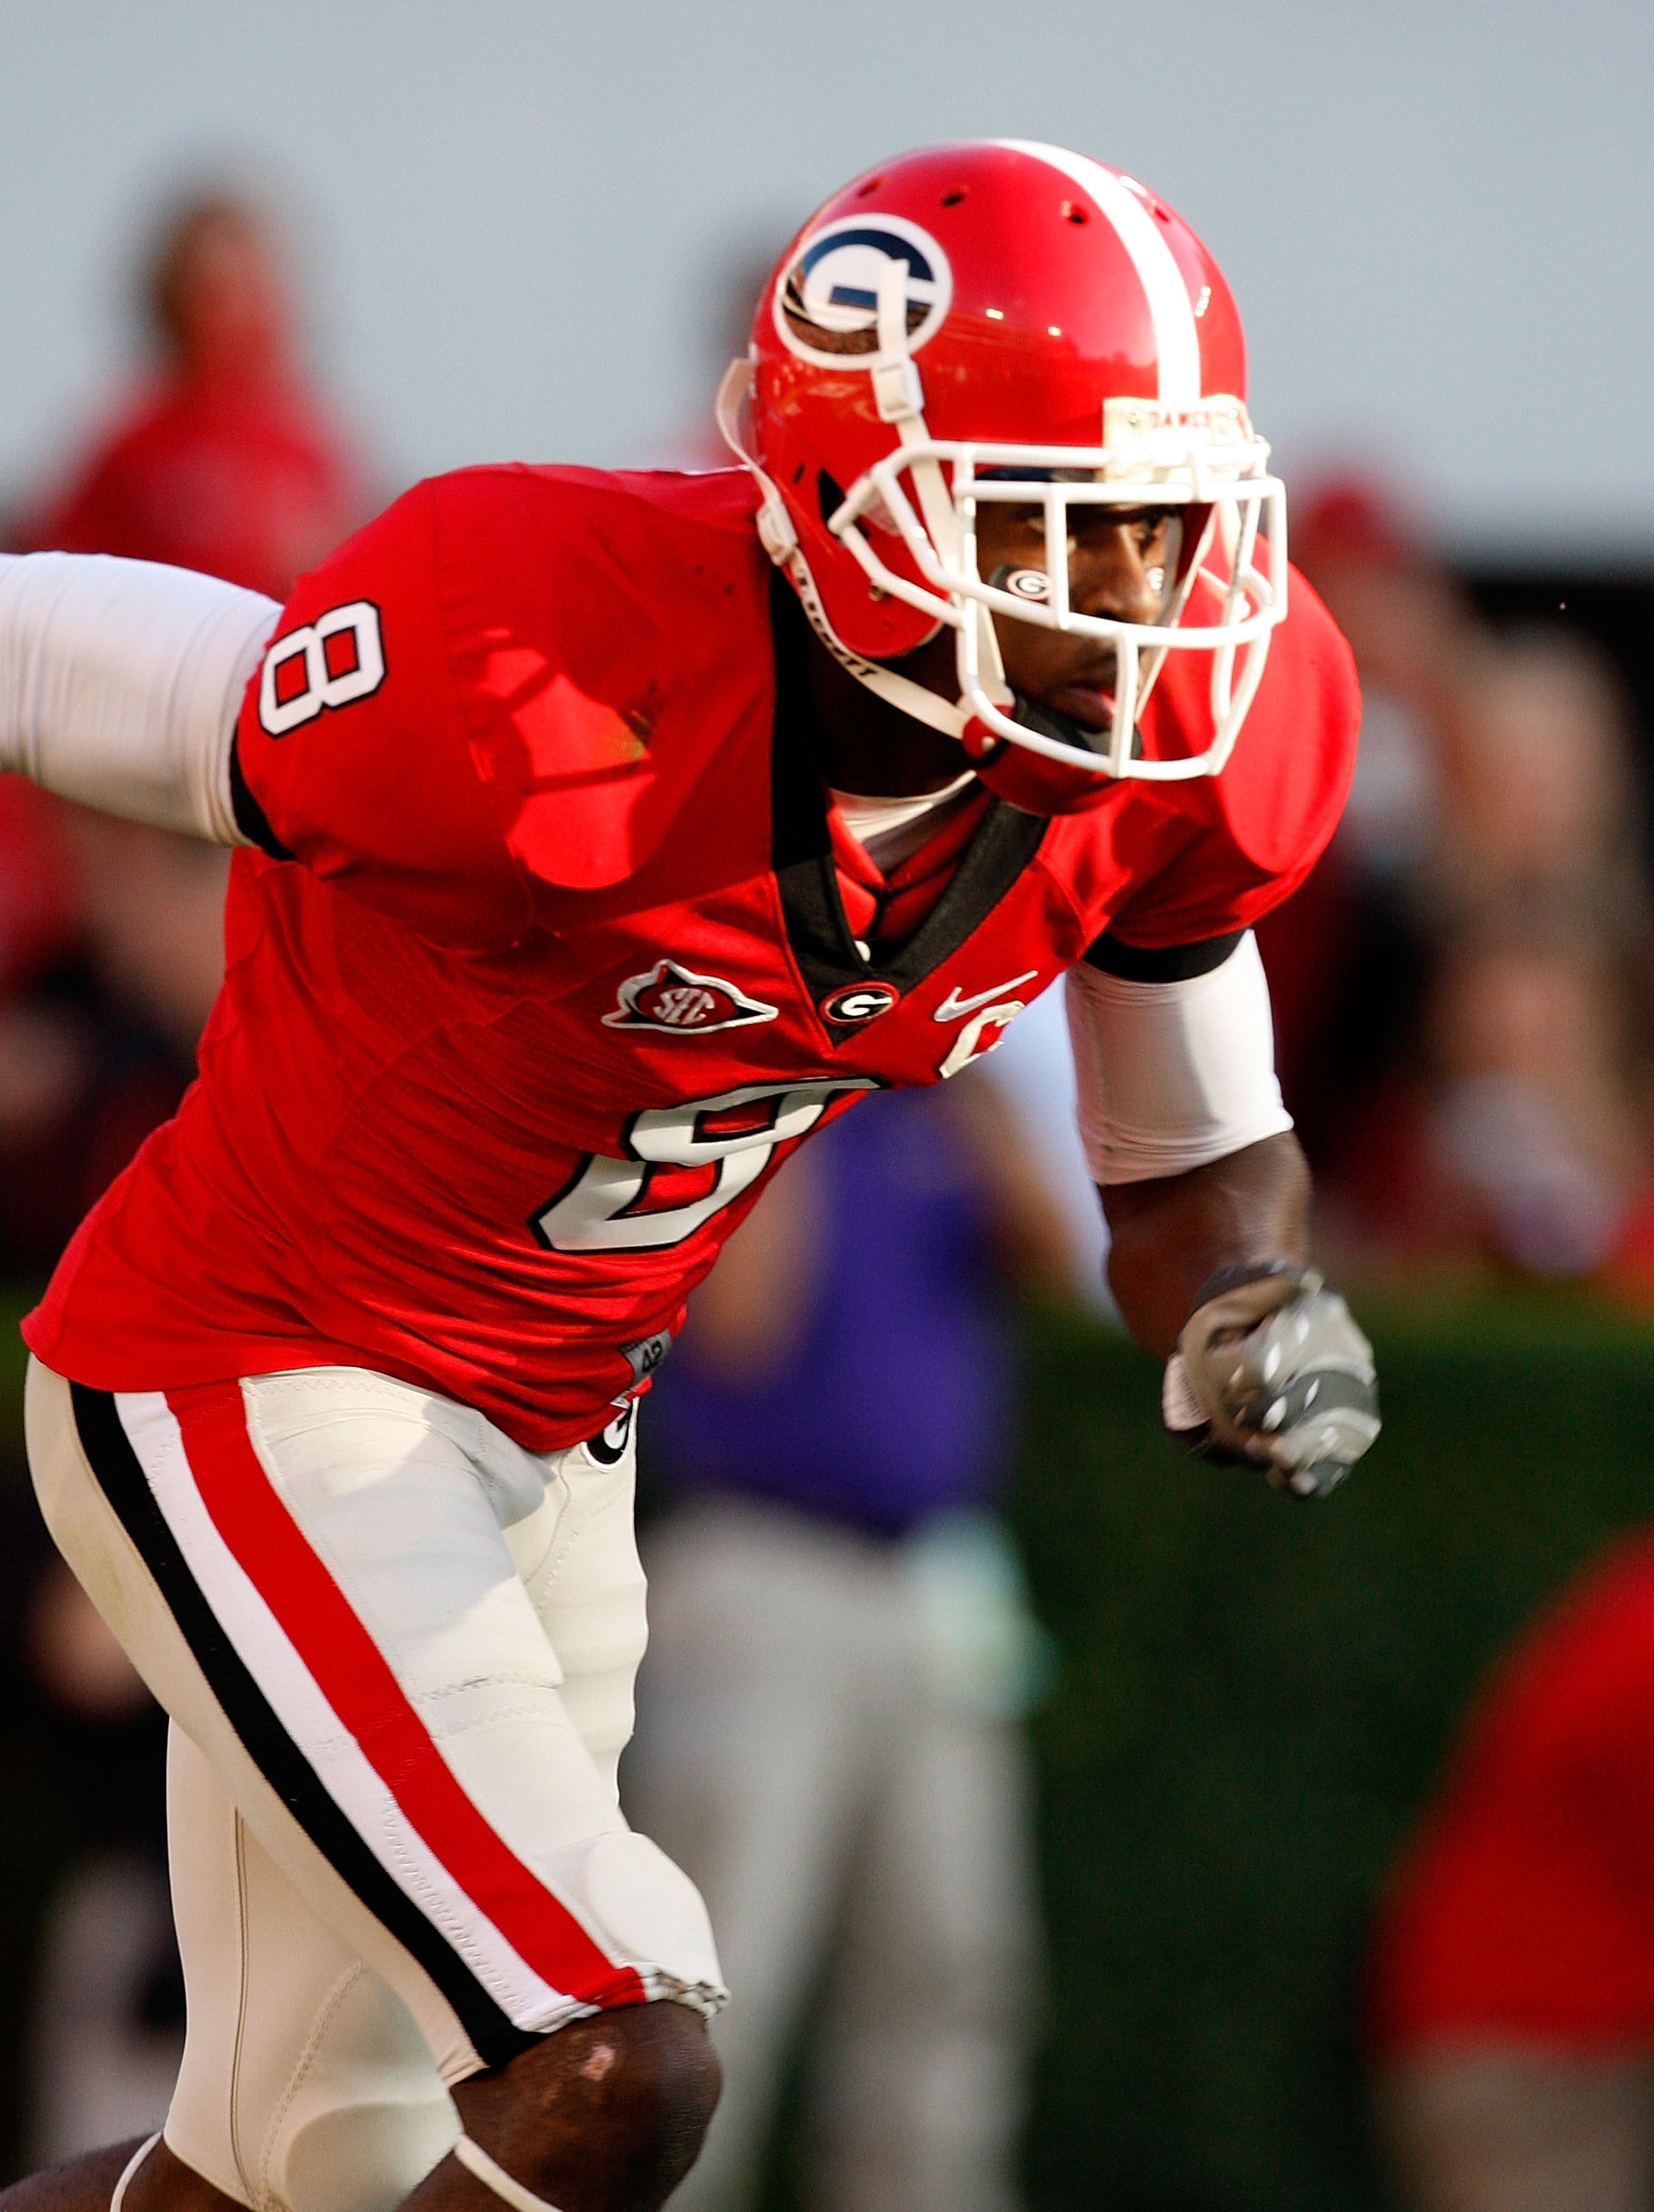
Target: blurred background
x=1340 y=1833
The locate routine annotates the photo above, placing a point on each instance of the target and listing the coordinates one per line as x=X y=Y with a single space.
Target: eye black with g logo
x=1021 y=583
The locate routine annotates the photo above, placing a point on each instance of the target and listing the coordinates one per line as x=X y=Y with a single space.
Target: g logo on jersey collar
x=858 y=1002
x=827 y=298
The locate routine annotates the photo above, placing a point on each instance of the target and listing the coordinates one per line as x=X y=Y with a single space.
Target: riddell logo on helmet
x=827 y=296
x=683 y=1004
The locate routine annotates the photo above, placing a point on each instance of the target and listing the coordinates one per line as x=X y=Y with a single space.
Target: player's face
x=1116 y=568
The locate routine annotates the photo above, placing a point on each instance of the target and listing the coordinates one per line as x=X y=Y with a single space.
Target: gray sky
x=1436 y=218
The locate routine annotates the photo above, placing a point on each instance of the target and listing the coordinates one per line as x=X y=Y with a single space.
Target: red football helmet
x=1011 y=322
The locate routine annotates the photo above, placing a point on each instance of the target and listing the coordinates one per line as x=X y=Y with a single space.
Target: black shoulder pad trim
x=1162 y=964
x=250 y=817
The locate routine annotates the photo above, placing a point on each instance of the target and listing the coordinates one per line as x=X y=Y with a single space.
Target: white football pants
x=399 y=1652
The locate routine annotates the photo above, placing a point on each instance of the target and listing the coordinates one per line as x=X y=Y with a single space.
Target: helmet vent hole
x=798 y=475
x=952 y=198
x=872 y=186
x=1073 y=212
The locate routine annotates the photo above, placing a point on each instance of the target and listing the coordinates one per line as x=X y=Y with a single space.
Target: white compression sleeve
x=1173 y=1076
x=120 y=682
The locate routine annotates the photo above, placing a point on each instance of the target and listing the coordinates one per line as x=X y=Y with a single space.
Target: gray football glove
x=1272 y=1370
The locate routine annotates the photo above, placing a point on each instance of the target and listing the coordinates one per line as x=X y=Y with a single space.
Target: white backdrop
x=1435 y=213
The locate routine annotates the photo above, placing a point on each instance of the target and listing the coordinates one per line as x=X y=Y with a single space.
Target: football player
x=598 y=837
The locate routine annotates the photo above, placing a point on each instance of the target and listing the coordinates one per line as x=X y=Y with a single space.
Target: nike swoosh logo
x=953 y=1006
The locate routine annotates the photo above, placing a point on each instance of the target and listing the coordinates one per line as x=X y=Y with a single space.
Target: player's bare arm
x=601 y=836
x=1207 y=1195
x=1169 y=1237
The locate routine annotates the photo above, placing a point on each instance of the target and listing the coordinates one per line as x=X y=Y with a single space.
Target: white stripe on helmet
x=1176 y=341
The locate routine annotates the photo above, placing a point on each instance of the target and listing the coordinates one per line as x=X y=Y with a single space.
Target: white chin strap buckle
x=492 y=2175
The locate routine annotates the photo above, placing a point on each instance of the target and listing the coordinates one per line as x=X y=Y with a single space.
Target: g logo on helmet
x=827 y=295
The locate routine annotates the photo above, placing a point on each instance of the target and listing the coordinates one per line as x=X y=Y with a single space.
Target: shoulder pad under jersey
x=458 y=709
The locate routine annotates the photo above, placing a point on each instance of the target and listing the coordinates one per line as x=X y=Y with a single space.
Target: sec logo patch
x=676 y=1000
x=858 y=1002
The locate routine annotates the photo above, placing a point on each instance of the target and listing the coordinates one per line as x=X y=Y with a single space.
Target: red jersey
x=1526 y=1908
x=545 y=964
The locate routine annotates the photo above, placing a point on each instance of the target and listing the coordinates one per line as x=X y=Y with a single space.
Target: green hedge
x=1256 y=1694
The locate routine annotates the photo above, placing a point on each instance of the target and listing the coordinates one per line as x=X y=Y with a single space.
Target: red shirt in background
x=1526 y=1910
x=233 y=472
x=237 y=478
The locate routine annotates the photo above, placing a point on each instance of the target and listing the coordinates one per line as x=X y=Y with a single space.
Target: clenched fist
x=1271 y=1369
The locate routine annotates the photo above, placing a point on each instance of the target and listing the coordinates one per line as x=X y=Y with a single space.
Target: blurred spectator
x=1461 y=987
x=223 y=461
x=1513 y=2016
x=1032 y=1070
x=107 y=2030
x=1538 y=1016
x=840 y=1655
x=98 y=1045
x=109 y=932
x=111 y=955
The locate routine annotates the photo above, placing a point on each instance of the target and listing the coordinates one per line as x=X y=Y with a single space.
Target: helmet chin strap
x=780 y=541
x=886 y=683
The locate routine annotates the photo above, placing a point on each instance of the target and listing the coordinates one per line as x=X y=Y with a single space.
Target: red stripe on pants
x=353 y=1676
